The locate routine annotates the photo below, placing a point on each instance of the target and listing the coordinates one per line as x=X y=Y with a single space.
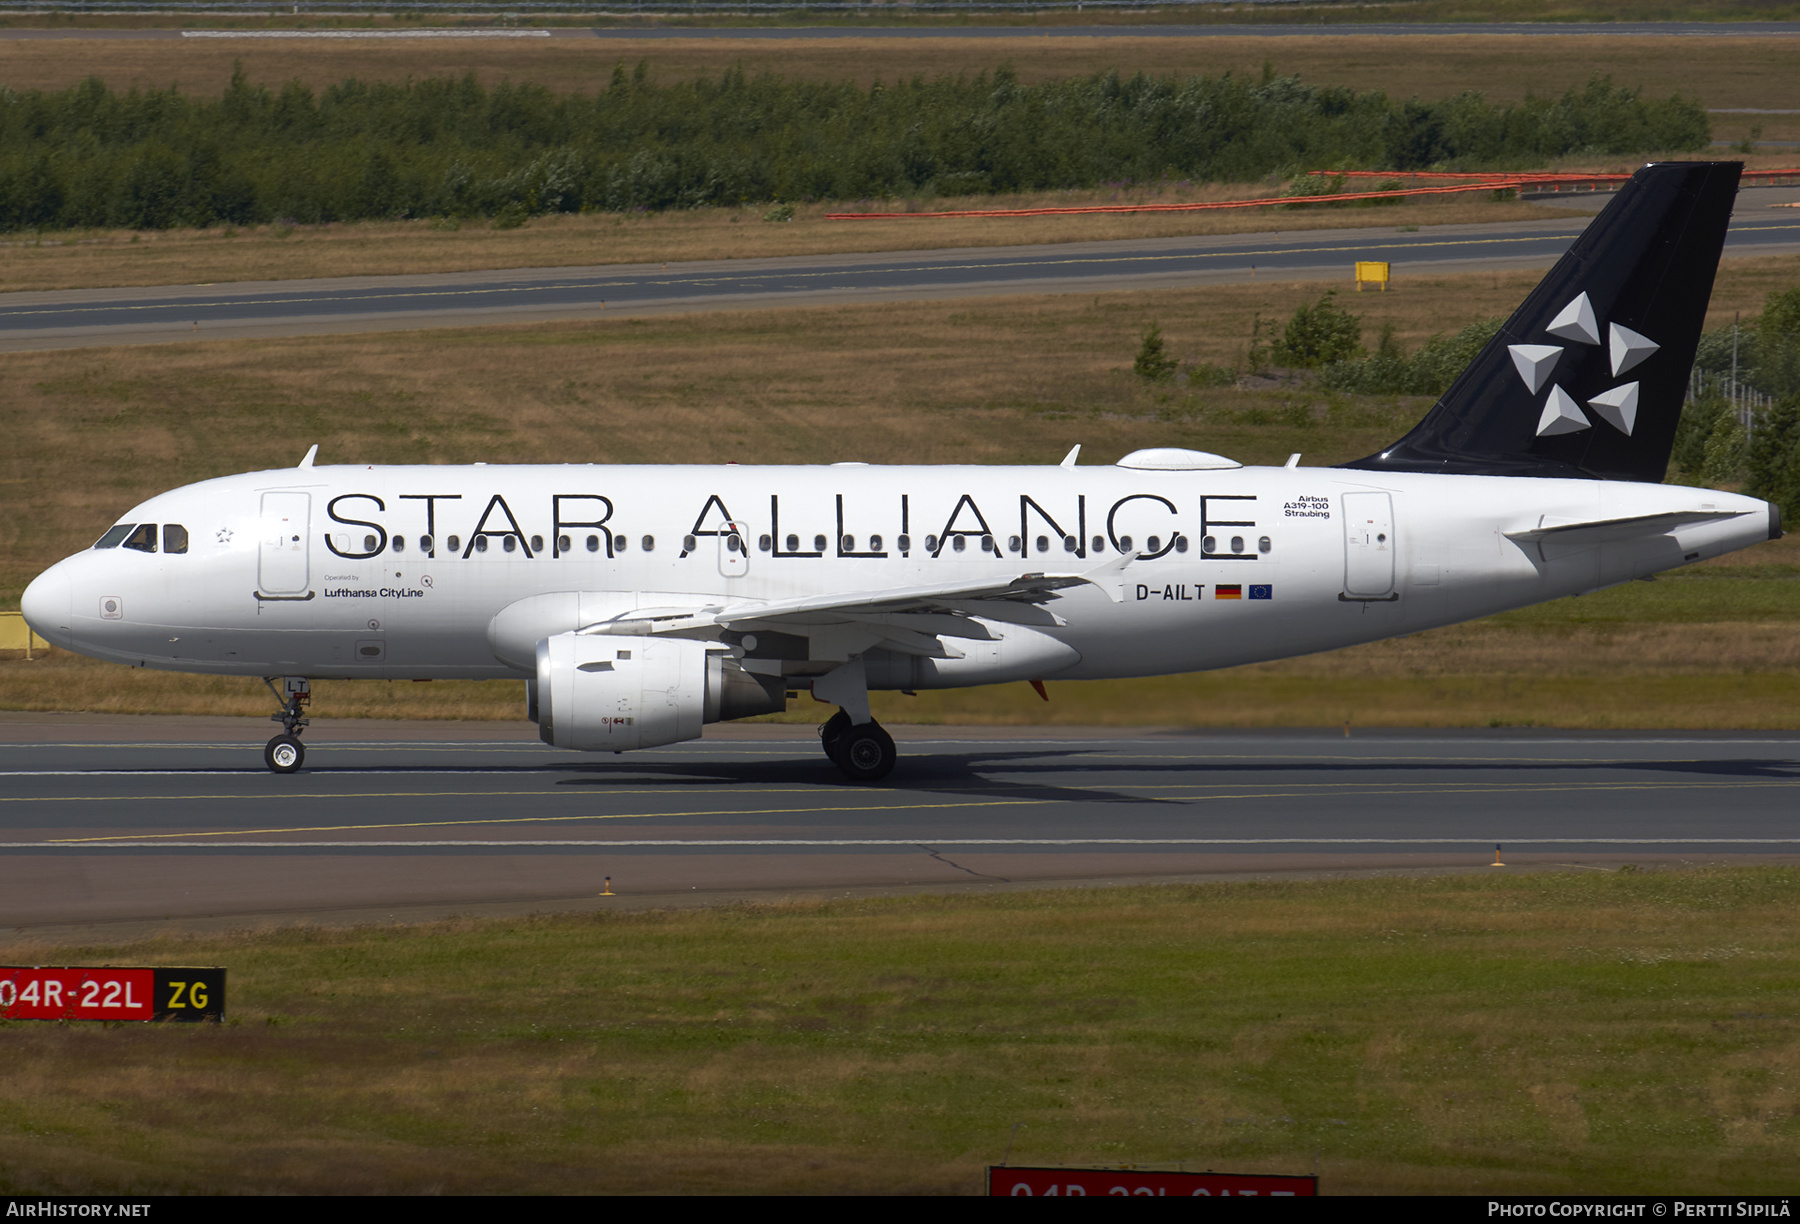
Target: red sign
x=1015 y=1182
x=74 y=993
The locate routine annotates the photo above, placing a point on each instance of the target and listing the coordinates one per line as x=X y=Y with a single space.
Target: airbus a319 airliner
x=640 y=603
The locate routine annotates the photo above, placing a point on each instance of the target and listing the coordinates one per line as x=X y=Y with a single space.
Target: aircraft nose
x=46 y=604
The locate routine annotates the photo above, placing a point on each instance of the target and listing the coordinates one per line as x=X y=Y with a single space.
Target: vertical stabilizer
x=1588 y=376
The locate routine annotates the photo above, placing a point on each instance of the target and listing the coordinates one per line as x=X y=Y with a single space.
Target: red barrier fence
x=1466 y=182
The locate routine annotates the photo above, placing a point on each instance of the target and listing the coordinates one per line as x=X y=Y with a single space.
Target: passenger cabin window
x=143 y=539
x=115 y=537
x=175 y=538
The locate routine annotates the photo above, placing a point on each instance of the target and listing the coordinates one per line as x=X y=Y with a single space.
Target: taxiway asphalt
x=165 y=314
x=141 y=821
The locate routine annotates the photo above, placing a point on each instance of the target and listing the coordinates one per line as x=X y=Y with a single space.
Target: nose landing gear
x=285 y=753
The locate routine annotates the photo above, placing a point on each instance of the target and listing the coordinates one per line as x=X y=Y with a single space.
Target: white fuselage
x=401 y=572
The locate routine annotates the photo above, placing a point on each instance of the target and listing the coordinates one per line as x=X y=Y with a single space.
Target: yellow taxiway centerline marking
x=436 y=824
x=815 y=811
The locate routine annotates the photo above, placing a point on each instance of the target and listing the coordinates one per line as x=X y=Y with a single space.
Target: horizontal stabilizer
x=1610 y=531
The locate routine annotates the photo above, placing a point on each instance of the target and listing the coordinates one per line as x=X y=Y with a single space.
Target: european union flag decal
x=1262 y=592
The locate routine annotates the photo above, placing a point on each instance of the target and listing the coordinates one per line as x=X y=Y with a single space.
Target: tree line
x=89 y=156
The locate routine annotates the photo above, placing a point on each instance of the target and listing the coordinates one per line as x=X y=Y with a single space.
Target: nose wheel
x=862 y=753
x=285 y=753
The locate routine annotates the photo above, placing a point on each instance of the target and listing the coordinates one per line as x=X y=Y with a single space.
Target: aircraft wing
x=1006 y=600
x=1030 y=588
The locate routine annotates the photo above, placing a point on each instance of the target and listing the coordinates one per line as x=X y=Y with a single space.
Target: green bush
x=1430 y=371
x=1318 y=335
x=1153 y=364
x=1772 y=459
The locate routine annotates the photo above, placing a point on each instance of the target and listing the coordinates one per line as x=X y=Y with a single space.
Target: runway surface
x=165 y=314
x=137 y=821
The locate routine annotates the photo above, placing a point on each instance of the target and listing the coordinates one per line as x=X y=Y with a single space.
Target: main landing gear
x=864 y=753
x=285 y=753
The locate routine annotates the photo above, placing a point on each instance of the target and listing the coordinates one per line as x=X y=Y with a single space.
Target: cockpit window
x=143 y=539
x=112 y=538
x=174 y=538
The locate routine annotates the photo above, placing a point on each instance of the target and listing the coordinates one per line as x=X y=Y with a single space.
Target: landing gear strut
x=285 y=753
x=864 y=753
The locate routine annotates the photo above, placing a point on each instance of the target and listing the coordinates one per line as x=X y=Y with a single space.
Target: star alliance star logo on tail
x=1535 y=363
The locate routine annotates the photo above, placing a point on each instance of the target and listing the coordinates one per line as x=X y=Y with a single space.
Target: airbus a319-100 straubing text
x=640 y=603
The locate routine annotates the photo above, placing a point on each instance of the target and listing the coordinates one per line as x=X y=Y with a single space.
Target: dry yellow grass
x=103 y=259
x=1720 y=72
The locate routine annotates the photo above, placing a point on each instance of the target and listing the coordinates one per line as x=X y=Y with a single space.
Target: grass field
x=1720 y=72
x=1604 y=1032
x=1001 y=381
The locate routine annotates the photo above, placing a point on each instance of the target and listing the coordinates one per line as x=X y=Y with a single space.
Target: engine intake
x=607 y=693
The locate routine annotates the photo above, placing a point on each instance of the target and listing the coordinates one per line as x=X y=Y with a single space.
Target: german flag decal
x=1228 y=591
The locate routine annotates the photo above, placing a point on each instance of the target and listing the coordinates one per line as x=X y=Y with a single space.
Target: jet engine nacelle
x=614 y=693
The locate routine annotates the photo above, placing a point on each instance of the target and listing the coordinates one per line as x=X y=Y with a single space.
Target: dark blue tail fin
x=1587 y=378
